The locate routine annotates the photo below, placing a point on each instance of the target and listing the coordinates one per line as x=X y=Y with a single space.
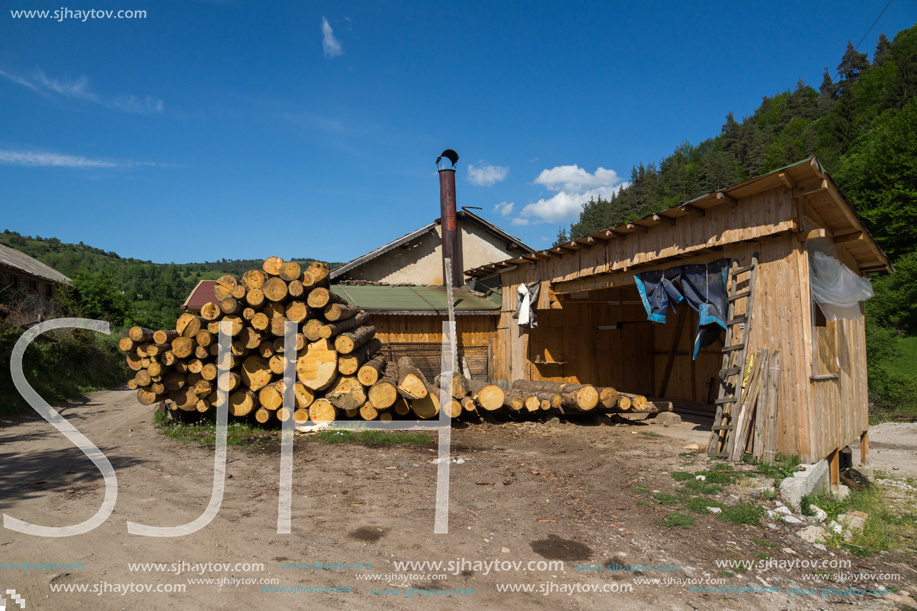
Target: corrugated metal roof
x=23 y=262
x=416 y=299
x=201 y=294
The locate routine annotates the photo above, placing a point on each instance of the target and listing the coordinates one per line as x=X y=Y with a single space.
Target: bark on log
x=321 y=297
x=140 y=334
x=345 y=343
x=427 y=406
x=349 y=364
x=188 y=325
x=332 y=329
x=338 y=311
x=164 y=337
x=370 y=372
x=579 y=396
x=230 y=306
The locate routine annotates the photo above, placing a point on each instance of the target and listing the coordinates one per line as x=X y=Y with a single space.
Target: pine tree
x=852 y=65
x=883 y=51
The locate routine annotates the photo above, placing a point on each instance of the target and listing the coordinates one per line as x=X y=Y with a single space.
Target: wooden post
x=834 y=463
x=864 y=449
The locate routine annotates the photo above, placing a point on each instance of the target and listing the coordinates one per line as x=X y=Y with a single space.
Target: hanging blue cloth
x=703 y=286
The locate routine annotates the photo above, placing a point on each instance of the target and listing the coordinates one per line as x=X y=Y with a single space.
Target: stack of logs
x=339 y=370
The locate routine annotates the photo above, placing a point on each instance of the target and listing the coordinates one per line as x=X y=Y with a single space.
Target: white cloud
x=486 y=175
x=47 y=159
x=575 y=187
x=504 y=208
x=79 y=90
x=572 y=178
x=330 y=45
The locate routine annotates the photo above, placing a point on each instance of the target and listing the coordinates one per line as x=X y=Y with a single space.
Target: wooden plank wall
x=621 y=357
x=470 y=330
x=690 y=379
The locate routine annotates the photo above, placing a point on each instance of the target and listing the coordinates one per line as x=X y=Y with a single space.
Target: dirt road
x=520 y=493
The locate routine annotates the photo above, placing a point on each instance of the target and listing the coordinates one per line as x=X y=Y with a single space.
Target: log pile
x=340 y=371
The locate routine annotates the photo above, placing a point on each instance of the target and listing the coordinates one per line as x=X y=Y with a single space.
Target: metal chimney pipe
x=448 y=223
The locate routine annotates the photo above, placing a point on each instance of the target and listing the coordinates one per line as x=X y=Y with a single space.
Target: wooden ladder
x=735 y=348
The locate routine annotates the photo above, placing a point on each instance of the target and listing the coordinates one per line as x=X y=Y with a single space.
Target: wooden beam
x=725 y=199
x=857 y=236
x=692 y=209
x=811 y=235
x=619 y=234
x=571 y=246
x=659 y=218
x=786 y=180
x=539 y=256
x=864 y=449
x=587 y=240
x=856 y=222
x=605 y=235
x=554 y=252
x=802 y=192
x=874 y=268
x=636 y=227
x=814 y=165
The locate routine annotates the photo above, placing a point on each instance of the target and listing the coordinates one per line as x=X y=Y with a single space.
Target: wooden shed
x=593 y=327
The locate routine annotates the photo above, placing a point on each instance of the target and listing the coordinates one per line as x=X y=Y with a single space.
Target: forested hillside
x=861 y=124
x=123 y=291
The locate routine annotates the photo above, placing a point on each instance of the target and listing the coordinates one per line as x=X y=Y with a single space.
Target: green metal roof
x=416 y=299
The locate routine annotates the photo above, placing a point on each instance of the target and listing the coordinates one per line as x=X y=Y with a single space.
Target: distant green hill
x=145 y=293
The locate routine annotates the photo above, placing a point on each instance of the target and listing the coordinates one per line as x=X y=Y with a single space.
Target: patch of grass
x=699 y=504
x=682 y=476
x=726 y=574
x=722 y=466
x=650 y=434
x=642 y=489
x=667 y=499
x=742 y=513
x=701 y=487
x=763 y=543
x=719 y=477
x=768 y=494
x=762 y=555
x=643 y=503
x=238 y=434
x=386 y=437
x=676 y=520
x=783 y=467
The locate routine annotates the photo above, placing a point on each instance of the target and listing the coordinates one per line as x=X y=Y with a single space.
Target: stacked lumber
x=340 y=372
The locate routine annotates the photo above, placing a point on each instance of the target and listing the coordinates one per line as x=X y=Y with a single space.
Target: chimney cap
x=450 y=155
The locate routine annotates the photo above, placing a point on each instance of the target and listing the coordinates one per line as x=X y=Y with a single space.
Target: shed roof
x=408 y=237
x=19 y=260
x=845 y=226
x=201 y=294
x=415 y=299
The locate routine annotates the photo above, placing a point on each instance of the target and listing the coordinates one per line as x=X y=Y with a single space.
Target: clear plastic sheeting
x=836 y=288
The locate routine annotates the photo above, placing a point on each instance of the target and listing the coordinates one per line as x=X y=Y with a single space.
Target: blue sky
x=231 y=129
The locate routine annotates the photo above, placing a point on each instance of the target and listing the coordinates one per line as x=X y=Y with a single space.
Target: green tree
x=883 y=51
